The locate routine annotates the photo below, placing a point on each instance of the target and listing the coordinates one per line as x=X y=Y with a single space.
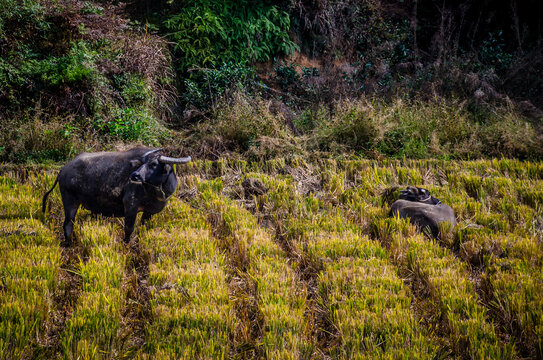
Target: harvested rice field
x=280 y=260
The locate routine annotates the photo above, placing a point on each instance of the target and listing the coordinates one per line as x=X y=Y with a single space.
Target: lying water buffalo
x=424 y=210
x=116 y=184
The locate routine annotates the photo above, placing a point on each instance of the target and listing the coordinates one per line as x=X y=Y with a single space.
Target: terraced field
x=281 y=260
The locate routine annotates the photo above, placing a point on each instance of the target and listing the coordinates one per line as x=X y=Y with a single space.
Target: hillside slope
x=86 y=75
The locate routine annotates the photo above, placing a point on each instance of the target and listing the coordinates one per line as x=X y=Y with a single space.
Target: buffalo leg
x=129 y=221
x=145 y=217
x=69 y=218
x=71 y=205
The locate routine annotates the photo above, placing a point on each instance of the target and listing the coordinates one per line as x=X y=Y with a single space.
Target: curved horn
x=170 y=160
x=144 y=156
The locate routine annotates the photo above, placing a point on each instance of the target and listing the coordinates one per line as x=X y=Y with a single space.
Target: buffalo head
x=154 y=169
x=417 y=194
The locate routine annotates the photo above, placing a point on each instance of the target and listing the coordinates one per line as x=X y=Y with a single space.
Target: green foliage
x=19 y=17
x=351 y=128
x=134 y=89
x=295 y=79
x=131 y=119
x=25 y=67
x=72 y=68
x=208 y=33
x=90 y=8
x=131 y=124
x=243 y=124
x=103 y=79
x=287 y=75
x=205 y=87
x=493 y=52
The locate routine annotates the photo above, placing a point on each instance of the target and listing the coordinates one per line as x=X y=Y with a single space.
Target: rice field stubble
x=281 y=260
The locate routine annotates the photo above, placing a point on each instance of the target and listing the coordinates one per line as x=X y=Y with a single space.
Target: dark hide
x=423 y=210
x=116 y=184
x=420 y=195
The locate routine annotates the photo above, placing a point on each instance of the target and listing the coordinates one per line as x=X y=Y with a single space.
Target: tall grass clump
x=424 y=129
x=352 y=128
x=244 y=126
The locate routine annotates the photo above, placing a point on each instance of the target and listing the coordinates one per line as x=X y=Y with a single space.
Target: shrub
x=134 y=90
x=208 y=33
x=30 y=139
x=204 y=88
x=286 y=75
x=494 y=54
x=352 y=128
x=510 y=135
x=72 y=68
x=243 y=124
x=18 y=19
x=132 y=124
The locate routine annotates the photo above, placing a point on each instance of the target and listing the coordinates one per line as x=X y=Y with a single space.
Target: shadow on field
x=136 y=313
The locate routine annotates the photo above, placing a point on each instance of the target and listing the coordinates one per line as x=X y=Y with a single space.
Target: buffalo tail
x=44 y=201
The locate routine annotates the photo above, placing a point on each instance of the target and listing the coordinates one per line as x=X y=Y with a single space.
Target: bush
x=510 y=135
x=29 y=139
x=243 y=125
x=134 y=90
x=208 y=32
x=20 y=19
x=70 y=69
x=205 y=88
x=352 y=128
x=132 y=124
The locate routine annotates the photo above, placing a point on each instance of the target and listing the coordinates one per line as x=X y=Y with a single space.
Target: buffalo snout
x=135 y=177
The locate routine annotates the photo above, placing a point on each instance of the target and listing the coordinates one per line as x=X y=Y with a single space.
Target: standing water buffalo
x=424 y=210
x=116 y=184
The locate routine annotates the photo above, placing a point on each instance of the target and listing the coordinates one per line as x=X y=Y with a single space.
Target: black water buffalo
x=423 y=210
x=116 y=184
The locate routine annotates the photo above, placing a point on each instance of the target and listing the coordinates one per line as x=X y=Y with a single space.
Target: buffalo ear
x=135 y=163
x=167 y=168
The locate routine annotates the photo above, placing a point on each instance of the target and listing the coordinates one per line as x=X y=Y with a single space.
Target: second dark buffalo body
x=423 y=210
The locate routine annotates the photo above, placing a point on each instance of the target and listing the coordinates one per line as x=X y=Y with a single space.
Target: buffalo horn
x=144 y=156
x=170 y=160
